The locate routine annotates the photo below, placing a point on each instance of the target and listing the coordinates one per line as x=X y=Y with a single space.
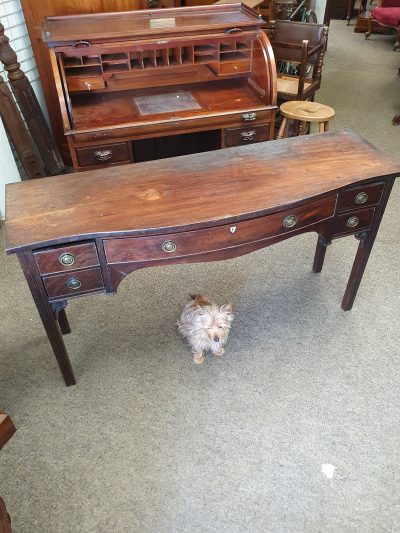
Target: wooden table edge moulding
x=77 y=235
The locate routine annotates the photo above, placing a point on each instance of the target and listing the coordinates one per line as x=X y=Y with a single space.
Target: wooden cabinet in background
x=149 y=84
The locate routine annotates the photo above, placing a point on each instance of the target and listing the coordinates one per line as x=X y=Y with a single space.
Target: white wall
x=8 y=169
x=319 y=10
x=12 y=18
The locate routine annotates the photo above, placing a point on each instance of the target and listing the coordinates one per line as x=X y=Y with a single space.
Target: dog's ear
x=226 y=308
x=200 y=300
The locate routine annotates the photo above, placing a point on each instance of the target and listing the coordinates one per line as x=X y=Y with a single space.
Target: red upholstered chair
x=386 y=14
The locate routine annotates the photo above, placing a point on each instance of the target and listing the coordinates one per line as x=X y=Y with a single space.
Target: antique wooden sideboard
x=147 y=84
x=76 y=236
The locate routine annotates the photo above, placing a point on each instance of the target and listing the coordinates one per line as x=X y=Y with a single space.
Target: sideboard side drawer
x=67 y=258
x=354 y=221
x=103 y=154
x=246 y=135
x=360 y=196
x=136 y=249
x=73 y=283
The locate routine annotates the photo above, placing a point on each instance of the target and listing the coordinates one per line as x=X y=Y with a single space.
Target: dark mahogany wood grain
x=49 y=260
x=7 y=428
x=217 y=55
x=211 y=206
x=46 y=313
x=347 y=199
x=207 y=240
x=5 y=521
x=108 y=26
x=246 y=135
x=57 y=285
x=190 y=192
x=364 y=216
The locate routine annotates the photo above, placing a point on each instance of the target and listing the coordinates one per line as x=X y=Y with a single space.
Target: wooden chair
x=386 y=14
x=304 y=44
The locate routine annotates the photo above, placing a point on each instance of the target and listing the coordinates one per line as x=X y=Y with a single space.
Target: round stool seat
x=304 y=111
x=307 y=111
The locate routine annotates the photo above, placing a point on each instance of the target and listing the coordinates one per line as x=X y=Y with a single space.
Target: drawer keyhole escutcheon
x=361 y=198
x=353 y=222
x=290 y=221
x=74 y=283
x=169 y=246
x=103 y=155
x=232 y=229
x=67 y=259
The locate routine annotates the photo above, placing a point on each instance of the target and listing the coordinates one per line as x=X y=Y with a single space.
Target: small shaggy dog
x=205 y=326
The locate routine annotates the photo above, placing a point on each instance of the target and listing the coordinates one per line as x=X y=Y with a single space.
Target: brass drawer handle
x=103 y=155
x=352 y=222
x=247 y=135
x=361 y=198
x=87 y=85
x=233 y=30
x=67 y=259
x=248 y=117
x=169 y=246
x=81 y=43
x=290 y=221
x=74 y=283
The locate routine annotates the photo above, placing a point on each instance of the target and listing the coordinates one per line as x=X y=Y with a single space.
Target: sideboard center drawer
x=158 y=247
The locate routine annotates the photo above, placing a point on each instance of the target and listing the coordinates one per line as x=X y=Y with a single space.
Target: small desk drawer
x=87 y=83
x=129 y=249
x=103 y=154
x=72 y=283
x=235 y=67
x=360 y=196
x=247 y=135
x=67 y=258
x=354 y=221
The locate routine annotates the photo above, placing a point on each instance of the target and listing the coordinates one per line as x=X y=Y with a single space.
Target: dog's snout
x=216 y=339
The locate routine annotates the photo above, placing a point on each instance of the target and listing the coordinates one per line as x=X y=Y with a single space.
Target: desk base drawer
x=73 y=283
x=246 y=135
x=136 y=249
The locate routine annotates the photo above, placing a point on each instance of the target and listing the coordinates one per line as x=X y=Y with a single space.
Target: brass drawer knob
x=74 y=283
x=361 y=198
x=352 y=222
x=87 y=85
x=169 y=246
x=247 y=135
x=248 y=117
x=67 y=259
x=290 y=221
x=103 y=155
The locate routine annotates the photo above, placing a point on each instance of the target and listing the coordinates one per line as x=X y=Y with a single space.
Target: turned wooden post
x=18 y=134
x=30 y=108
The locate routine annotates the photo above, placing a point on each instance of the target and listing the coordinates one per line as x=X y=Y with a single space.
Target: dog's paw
x=198 y=358
x=219 y=352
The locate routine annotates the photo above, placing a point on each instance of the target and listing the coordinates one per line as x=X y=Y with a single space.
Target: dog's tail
x=200 y=300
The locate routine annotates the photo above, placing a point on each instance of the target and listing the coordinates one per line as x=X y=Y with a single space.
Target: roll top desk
x=148 y=84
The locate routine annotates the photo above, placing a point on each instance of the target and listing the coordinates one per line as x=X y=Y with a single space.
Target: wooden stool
x=305 y=111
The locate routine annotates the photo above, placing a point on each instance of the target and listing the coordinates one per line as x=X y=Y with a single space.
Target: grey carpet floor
x=149 y=442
